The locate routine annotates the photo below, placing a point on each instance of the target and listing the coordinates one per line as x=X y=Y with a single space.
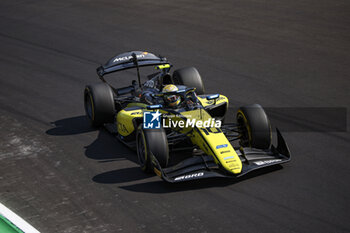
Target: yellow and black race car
x=177 y=129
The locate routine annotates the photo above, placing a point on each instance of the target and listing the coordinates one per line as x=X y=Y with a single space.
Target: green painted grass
x=7 y=227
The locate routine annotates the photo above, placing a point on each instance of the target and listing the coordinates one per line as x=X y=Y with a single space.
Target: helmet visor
x=172 y=98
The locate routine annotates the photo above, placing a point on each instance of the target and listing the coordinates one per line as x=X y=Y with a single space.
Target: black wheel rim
x=88 y=106
x=141 y=151
x=243 y=131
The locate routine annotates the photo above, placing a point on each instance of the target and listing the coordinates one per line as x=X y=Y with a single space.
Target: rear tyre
x=189 y=77
x=255 y=128
x=151 y=141
x=99 y=104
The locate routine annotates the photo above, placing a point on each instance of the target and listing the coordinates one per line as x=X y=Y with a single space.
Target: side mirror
x=156 y=106
x=213 y=97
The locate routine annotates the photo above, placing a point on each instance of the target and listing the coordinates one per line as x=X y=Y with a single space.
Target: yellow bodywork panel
x=125 y=124
x=212 y=141
x=137 y=105
x=219 y=100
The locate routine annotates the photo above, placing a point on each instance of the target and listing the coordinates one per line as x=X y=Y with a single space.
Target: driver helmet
x=171 y=100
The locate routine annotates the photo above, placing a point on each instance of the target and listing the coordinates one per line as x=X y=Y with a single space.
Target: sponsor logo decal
x=225 y=151
x=185 y=177
x=228 y=157
x=151 y=120
x=259 y=163
x=221 y=146
x=128 y=58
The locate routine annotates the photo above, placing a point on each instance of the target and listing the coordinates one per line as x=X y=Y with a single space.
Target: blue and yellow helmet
x=171 y=100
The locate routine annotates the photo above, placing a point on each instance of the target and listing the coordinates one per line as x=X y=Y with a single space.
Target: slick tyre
x=189 y=77
x=99 y=104
x=148 y=142
x=254 y=127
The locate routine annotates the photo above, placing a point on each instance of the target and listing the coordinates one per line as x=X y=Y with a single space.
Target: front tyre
x=255 y=128
x=99 y=104
x=151 y=141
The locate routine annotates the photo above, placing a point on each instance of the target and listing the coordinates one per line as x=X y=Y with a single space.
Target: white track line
x=16 y=220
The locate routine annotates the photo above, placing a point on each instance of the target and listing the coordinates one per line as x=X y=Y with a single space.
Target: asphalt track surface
x=61 y=175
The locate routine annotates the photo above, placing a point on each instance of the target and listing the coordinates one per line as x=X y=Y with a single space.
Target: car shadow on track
x=123 y=175
x=104 y=149
x=70 y=126
x=107 y=148
x=163 y=187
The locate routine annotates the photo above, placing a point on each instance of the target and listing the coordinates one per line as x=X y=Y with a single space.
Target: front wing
x=199 y=167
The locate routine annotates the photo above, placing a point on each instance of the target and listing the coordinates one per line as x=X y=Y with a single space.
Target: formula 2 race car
x=176 y=128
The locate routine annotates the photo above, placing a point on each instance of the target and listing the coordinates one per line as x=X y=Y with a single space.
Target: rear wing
x=126 y=61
